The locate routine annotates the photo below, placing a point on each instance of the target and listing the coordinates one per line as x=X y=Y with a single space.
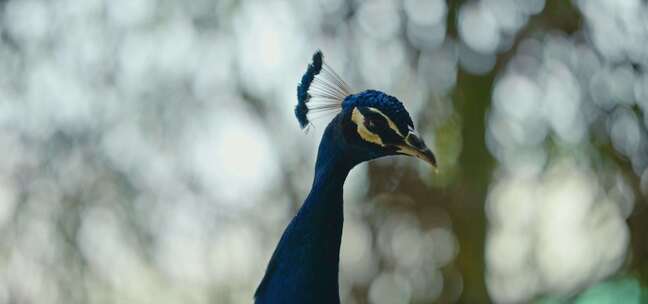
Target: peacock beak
x=414 y=146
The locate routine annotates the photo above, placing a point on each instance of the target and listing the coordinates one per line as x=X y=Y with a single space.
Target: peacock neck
x=305 y=265
x=333 y=164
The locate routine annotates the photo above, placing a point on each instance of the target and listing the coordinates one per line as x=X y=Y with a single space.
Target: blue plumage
x=305 y=264
x=301 y=110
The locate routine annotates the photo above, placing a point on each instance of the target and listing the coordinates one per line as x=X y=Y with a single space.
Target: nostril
x=414 y=141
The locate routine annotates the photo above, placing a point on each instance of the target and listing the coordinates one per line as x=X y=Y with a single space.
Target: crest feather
x=321 y=90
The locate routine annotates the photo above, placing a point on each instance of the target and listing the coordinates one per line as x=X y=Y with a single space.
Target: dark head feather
x=301 y=110
x=388 y=104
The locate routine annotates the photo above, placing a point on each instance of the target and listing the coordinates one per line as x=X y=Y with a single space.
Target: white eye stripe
x=362 y=130
x=391 y=124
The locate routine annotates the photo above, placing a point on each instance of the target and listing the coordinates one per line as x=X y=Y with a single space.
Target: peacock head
x=372 y=123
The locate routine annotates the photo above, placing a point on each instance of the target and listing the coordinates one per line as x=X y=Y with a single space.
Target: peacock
x=367 y=125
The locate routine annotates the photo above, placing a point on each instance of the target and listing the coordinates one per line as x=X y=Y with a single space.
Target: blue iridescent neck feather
x=305 y=264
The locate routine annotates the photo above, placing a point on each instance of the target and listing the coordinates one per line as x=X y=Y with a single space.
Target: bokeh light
x=150 y=153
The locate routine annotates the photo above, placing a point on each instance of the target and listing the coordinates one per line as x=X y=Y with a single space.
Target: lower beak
x=414 y=146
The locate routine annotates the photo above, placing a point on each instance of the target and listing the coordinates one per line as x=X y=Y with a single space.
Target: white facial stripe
x=408 y=148
x=367 y=135
x=392 y=125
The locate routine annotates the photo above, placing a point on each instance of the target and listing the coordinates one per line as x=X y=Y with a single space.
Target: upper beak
x=414 y=146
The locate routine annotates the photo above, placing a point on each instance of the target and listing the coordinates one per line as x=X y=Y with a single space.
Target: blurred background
x=149 y=152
